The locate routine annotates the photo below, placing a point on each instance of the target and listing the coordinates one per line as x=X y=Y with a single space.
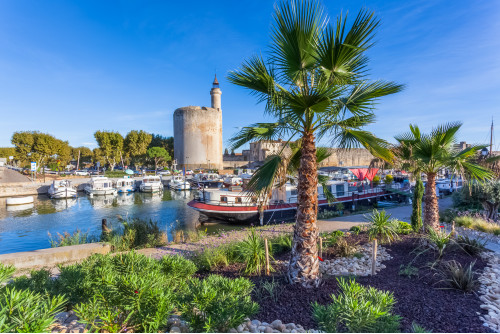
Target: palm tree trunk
x=304 y=262
x=431 y=210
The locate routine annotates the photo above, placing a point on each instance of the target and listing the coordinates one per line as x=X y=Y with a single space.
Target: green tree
x=6 y=152
x=416 y=213
x=136 y=144
x=160 y=141
x=85 y=154
x=434 y=151
x=110 y=146
x=314 y=84
x=97 y=156
x=158 y=154
x=39 y=147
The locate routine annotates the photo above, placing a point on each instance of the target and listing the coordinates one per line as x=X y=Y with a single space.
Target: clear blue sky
x=73 y=67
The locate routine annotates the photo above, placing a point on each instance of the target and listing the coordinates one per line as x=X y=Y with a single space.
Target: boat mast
x=491 y=138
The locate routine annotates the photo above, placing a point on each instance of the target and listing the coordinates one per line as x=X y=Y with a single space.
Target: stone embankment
x=490 y=291
x=277 y=326
x=356 y=265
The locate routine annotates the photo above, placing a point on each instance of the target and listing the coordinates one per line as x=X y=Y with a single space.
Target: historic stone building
x=198 y=134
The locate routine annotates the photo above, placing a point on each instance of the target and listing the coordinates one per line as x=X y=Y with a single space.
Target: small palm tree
x=314 y=84
x=428 y=153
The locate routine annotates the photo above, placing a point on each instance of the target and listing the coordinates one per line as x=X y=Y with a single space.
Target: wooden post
x=374 y=257
x=320 y=247
x=453 y=229
x=267 y=256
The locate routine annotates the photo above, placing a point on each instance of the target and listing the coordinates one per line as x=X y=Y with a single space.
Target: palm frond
x=259 y=131
x=349 y=138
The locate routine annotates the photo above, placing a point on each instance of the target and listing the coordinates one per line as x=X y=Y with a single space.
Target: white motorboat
x=178 y=182
x=20 y=207
x=61 y=189
x=19 y=200
x=125 y=185
x=151 y=184
x=233 y=181
x=100 y=185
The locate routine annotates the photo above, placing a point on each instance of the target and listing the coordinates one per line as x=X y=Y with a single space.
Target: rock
x=281 y=328
x=253 y=329
x=175 y=329
x=61 y=317
x=268 y=330
x=255 y=322
x=232 y=330
x=70 y=319
x=290 y=325
x=239 y=328
x=276 y=324
x=261 y=328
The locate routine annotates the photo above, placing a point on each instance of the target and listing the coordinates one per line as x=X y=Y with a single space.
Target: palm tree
x=429 y=153
x=314 y=84
x=281 y=168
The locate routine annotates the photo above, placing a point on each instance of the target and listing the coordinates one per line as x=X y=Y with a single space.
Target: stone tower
x=198 y=134
x=216 y=93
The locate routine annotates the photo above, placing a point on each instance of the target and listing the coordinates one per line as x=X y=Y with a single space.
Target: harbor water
x=28 y=227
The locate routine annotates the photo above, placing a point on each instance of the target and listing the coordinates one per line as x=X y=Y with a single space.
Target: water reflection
x=24 y=228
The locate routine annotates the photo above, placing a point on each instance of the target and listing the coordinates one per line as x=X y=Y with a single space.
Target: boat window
x=294 y=192
x=223 y=199
x=238 y=200
x=339 y=190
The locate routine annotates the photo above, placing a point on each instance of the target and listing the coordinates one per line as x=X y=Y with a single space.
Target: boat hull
x=100 y=192
x=273 y=213
x=125 y=190
x=62 y=193
x=19 y=200
x=150 y=189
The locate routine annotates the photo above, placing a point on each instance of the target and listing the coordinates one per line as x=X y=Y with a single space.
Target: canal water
x=26 y=228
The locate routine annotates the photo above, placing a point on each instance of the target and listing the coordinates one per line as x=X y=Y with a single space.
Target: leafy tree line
x=113 y=149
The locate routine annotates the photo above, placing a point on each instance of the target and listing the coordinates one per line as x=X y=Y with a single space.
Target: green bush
x=281 y=244
x=25 y=311
x=136 y=234
x=213 y=257
x=355 y=229
x=126 y=291
x=388 y=179
x=381 y=226
x=40 y=281
x=471 y=246
x=251 y=251
x=71 y=239
x=457 y=277
x=330 y=239
x=439 y=239
x=404 y=228
x=342 y=248
x=217 y=303
x=357 y=309
x=408 y=270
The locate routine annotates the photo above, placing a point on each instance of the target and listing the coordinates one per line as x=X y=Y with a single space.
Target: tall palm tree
x=314 y=84
x=281 y=168
x=428 y=153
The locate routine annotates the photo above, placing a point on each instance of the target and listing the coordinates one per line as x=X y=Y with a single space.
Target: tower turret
x=216 y=93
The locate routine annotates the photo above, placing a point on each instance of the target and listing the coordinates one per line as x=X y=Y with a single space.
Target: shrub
x=124 y=292
x=251 y=251
x=388 y=179
x=269 y=289
x=6 y=272
x=355 y=229
x=217 y=303
x=457 y=277
x=471 y=246
x=327 y=214
x=404 y=228
x=357 y=309
x=330 y=239
x=381 y=226
x=281 y=244
x=342 y=248
x=376 y=180
x=71 y=239
x=408 y=270
x=210 y=258
x=439 y=240
x=416 y=328
x=39 y=281
x=25 y=311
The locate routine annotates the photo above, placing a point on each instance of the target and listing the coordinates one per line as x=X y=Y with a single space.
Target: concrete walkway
x=346 y=222
x=9 y=175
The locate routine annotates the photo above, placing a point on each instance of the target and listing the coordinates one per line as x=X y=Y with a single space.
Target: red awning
x=364 y=173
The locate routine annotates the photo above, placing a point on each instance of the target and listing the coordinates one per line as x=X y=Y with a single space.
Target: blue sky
x=73 y=67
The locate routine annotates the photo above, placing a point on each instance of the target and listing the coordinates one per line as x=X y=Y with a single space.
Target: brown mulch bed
x=419 y=299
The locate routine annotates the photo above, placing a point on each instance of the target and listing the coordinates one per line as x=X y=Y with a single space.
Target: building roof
x=216 y=82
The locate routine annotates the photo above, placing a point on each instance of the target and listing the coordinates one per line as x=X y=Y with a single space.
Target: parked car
x=165 y=172
x=81 y=172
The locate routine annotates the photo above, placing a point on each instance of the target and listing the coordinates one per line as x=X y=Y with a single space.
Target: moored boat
x=100 y=185
x=125 y=185
x=61 y=189
x=236 y=205
x=19 y=200
x=178 y=182
x=151 y=184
